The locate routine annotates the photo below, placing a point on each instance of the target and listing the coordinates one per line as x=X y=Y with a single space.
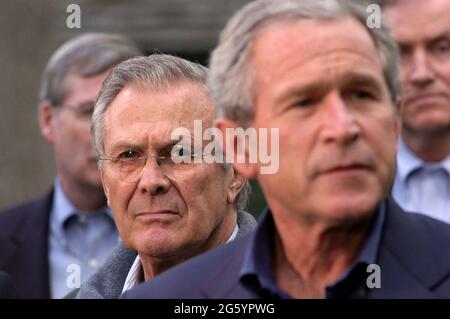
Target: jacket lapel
x=410 y=257
x=224 y=282
x=27 y=260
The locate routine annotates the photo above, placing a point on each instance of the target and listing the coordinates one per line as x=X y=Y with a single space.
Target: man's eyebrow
x=160 y=146
x=85 y=103
x=404 y=45
x=167 y=147
x=440 y=37
x=122 y=145
x=363 y=80
x=300 y=89
x=351 y=79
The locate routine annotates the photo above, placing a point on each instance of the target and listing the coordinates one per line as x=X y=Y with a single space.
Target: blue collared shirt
x=256 y=271
x=78 y=243
x=422 y=187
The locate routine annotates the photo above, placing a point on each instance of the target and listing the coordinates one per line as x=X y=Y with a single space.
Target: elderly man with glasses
x=169 y=203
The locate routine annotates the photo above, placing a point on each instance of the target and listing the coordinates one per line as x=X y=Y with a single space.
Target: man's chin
x=350 y=209
x=428 y=126
x=156 y=247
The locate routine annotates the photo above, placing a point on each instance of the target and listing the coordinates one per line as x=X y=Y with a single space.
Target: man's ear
x=105 y=187
x=230 y=145
x=237 y=184
x=46 y=118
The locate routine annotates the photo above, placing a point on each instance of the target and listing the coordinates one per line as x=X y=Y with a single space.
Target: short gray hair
x=86 y=55
x=384 y=3
x=158 y=71
x=230 y=78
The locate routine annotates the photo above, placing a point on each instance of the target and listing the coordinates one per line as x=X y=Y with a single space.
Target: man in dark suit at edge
x=69 y=231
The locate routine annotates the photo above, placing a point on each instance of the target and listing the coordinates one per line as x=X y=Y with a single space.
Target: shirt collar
x=133 y=276
x=63 y=209
x=257 y=264
x=233 y=234
x=446 y=164
x=369 y=252
x=407 y=161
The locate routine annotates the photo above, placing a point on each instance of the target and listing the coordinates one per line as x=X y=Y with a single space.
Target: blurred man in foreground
x=315 y=71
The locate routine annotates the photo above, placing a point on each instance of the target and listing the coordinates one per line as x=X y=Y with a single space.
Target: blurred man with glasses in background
x=52 y=244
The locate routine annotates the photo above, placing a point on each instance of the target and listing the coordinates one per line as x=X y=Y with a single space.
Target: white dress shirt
x=422 y=187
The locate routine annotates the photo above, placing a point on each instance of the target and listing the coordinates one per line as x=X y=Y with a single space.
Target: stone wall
x=30 y=30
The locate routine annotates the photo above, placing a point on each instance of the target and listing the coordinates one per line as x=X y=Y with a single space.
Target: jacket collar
x=411 y=249
x=247 y=224
x=26 y=249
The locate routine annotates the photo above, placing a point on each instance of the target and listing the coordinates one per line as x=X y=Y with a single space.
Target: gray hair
x=86 y=55
x=159 y=71
x=230 y=78
x=385 y=3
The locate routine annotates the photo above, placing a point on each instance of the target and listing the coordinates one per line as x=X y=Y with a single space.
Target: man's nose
x=339 y=124
x=420 y=69
x=153 y=180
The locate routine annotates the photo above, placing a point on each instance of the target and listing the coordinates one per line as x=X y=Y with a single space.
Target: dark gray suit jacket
x=108 y=281
x=24 y=246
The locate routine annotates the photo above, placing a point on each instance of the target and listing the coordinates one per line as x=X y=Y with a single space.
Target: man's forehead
x=311 y=44
x=416 y=20
x=139 y=114
x=85 y=88
x=138 y=137
x=309 y=36
x=180 y=103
